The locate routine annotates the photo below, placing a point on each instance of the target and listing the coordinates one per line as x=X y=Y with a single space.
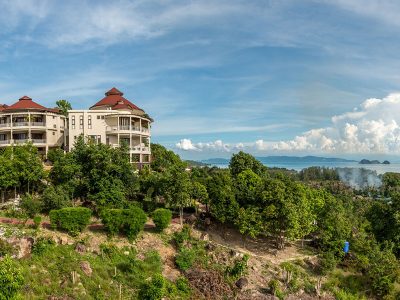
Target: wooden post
x=120 y=291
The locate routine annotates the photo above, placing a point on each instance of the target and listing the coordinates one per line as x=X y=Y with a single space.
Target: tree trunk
x=2 y=196
x=181 y=215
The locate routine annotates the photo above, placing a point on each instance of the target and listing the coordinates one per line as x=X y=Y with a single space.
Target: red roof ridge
x=115 y=100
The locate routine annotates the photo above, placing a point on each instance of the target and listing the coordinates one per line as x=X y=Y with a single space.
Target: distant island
x=373 y=162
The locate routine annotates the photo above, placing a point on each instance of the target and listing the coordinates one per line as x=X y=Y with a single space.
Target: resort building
x=27 y=121
x=113 y=120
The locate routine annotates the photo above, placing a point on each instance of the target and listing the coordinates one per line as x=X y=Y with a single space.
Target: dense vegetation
x=258 y=202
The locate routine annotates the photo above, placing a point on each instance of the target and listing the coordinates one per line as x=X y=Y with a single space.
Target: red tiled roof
x=26 y=103
x=115 y=100
x=3 y=106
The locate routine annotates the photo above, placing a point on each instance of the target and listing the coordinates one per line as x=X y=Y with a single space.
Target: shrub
x=327 y=262
x=41 y=245
x=55 y=198
x=153 y=290
x=134 y=220
x=36 y=221
x=127 y=221
x=182 y=236
x=31 y=205
x=71 y=219
x=162 y=218
x=182 y=284
x=11 y=280
x=112 y=220
x=5 y=248
x=185 y=258
x=275 y=289
x=239 y=268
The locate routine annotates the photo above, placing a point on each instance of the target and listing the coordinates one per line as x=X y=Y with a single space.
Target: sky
x=266 y=77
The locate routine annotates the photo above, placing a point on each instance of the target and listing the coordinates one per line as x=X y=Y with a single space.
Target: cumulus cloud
x=373 y=127
x=216 y=146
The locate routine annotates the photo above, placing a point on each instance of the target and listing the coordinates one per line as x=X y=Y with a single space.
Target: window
x=90 y=122
x=54 y=133
x=81 y=122
x=102 y=117
x=73 y=122
x=98 y=117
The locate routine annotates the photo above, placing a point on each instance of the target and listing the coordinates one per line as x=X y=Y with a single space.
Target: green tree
x=199 y=193
x=64 y=106
x=11 y=279
x=163 y=159
x=248 y=185
x=178 y=192
x=287 y=209
x=249 y=222
x=29 y=165
x=223 y=205
x=55 y=197
x=244 y=161
x=8 y=174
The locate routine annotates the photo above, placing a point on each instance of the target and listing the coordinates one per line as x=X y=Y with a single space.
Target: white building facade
x=27 y=121
x=114 y=121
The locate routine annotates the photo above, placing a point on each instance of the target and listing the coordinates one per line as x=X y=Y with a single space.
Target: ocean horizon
x=298 y=166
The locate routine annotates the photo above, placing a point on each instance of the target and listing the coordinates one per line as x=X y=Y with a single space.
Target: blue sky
x=267 y=77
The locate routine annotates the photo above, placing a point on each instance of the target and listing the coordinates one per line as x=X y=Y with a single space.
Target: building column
x=29 y=127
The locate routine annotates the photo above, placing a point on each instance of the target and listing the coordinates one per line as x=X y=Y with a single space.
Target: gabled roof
x=113 y=98
x=3 y=106
x=26 y=103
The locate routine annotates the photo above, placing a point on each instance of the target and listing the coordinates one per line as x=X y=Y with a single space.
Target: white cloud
x=216 y=146
x=373 y=127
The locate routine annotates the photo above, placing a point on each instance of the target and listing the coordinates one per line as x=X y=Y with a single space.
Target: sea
x=298 y=166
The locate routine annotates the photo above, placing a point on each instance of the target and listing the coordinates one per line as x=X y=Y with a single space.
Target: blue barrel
x=346 y=247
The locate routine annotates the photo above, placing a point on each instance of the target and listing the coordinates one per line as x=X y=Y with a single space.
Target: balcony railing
x=38 y=123
x=126 y=128
x=4 y=142
x=20 y=124
x=39 y=141
x=21 y=141
x=5 y=125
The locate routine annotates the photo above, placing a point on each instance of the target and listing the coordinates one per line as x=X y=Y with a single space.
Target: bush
x=71 y=219
x=5 y=248
x=182 y=236
x=55 y=198
x=112 y=220
x=41 y=245
x=185 y=258
x=239 y=268
x=153 y=290
x=327 y=263
x=36 y=221
x=182 y=284
x=162 y=218
x=31 y=205
x=11 y=280
x=127 y=221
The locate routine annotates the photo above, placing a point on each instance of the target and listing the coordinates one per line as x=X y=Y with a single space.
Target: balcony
x=39 y=141
x=20 y=124
x=136 y=129
x=5 y=142
x=38 y=124
x=21 y=141
x=2 y=125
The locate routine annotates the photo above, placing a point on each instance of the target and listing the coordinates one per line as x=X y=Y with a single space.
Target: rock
x=126 y=253
x=242 y=282
x=204 y=237
x=86 y=269
x=80 y=248
x=191 y=219
x=63 y=240
x=25 y=247
x=210 y=247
